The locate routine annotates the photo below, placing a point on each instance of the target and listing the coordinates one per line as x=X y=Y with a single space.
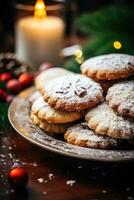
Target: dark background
x=72 y=8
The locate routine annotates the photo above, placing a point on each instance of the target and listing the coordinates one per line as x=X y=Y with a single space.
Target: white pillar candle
x=39 y=40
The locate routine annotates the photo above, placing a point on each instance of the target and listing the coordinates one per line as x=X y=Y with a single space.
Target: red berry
x=45 y=66
x=25 y=79
x=5 y=76
x=9 y=98
x=14 y=86
x=18 y=177
x=3 y=95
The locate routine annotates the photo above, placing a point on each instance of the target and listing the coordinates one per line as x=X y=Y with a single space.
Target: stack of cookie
x=114 y=117
x=64 y=101
x=67 y=98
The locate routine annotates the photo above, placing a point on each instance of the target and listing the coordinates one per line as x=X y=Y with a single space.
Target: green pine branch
x=108 y=19
x=109 y=24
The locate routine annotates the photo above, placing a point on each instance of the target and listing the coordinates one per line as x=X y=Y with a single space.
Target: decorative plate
x=19 y=118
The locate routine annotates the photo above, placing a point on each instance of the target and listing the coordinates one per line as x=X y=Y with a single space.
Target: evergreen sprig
x=108 y=19
x=109 y=24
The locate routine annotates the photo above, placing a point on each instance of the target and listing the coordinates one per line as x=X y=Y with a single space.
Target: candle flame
x=40 y=9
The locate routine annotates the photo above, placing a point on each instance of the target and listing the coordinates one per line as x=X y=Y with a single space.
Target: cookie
x=105 y=121
x=72 y=93
x=50 y=128
x=121 y=98
x=49 y=114
x=109 y=67
x=48 y=75
x=81 y=135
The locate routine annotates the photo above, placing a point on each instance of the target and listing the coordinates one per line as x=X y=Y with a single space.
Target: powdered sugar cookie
x=48 y=75
x=50 y=128
x=105 y=121
x=49 y=114
x=109 y=67
x=72 y=93
x=121 y=98
x=81 y=135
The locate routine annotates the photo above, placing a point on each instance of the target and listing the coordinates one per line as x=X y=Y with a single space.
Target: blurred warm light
x=40 y=9
x=79 y=56
x=78 y=53
x=117 y=45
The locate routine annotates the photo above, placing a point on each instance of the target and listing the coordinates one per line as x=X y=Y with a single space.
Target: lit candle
x=39 y=38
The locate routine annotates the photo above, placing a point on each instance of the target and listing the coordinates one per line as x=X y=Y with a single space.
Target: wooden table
x=55 y=177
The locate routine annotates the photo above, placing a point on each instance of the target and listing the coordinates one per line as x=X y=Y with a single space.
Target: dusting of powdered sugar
x=51 y=115
x=106 y=122
x=110 y=62
x=81 y=135
x=74 y=88
x=121 y=97
x=48 y=75
x=38 y=104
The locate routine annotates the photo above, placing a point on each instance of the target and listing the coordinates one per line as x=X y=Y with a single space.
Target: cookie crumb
x=80 y=167
x=50 y=176
x=10 y=155
x=35 y=164
x=40 y=180
x=44 y=193
x=104 y=191
x=70 y=182
x=12 y=191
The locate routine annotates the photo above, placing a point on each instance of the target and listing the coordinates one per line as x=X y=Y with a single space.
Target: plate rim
x=61 y=152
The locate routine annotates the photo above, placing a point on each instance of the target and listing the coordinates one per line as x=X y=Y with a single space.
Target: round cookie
x=51 y=128
x=81 y=135
x=72 y=93
x=109 y=67
x=121 y=98
x=48 y=75
x=49 y=114
x=105 y=121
